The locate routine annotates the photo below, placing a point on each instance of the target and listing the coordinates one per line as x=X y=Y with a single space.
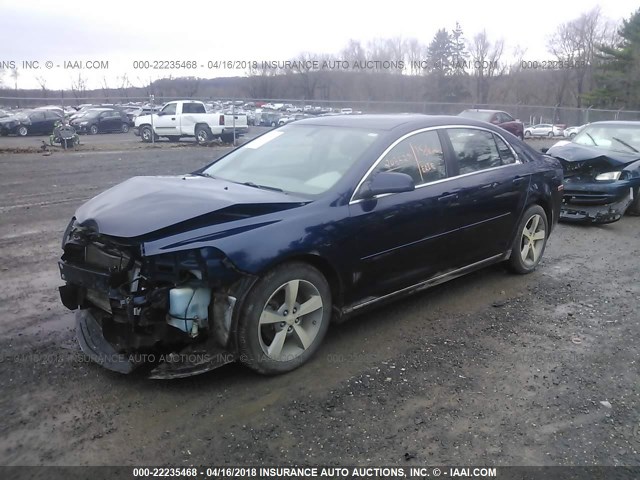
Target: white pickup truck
x=189 y=118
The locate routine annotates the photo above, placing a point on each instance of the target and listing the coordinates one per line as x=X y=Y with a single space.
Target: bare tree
x=574 y=45
x=78 y=86
x=486 y=58
x=15 y=74
x=42 y=81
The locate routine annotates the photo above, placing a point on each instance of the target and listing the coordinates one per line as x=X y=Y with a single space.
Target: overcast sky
x=123 y=31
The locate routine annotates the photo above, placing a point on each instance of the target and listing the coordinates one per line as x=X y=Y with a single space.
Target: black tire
x=174 y=138
x=146 y=134
x=536 y=247
x=550 y=134
x=527 y=134
x=258 y=339
x=124 y=128
x=634 y=207
x=227 y=138
x=571 y=135
x=273 y=124
x=93 y=129
x=203 y=135
x=23 y=131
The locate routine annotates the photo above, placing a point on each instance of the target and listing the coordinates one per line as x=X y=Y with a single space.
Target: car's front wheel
x=22 y=131
x=550 y=134
x=634 y=207
x=285 y=318
x=527 y=134
x=146 y=134
x=531 y=240
x=93 y=129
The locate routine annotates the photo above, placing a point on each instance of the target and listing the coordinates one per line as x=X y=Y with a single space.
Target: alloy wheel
x=532 y=240
x=290 y=320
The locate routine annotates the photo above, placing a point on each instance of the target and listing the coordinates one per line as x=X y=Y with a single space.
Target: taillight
x=221 y=119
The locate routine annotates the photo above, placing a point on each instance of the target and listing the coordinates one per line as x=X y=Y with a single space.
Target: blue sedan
x=253 y=256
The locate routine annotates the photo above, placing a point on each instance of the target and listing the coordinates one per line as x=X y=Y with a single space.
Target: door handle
x=490 y=185
x=448 y=197
x=518 y=180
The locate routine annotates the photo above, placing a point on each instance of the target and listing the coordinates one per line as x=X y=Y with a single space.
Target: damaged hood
x=142 y=205
x=574 y=152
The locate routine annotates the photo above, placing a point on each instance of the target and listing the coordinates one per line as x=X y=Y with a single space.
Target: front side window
x=169 y=109
x=474 y=149
x=419 y=156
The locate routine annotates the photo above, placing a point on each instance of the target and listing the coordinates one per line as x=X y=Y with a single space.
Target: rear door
x=485 y=197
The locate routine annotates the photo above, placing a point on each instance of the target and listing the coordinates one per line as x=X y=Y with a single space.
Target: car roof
x=483 y=110
x=390 y=121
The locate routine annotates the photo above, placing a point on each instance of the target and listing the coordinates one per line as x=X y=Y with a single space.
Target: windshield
x=621 y=138
x=303 y=159
x=477 y=115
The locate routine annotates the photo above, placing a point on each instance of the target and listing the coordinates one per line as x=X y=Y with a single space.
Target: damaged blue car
x=251 y=257
x=601 y=172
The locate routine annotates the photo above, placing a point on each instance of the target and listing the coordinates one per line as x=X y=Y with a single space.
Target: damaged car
x=251 y=257
x=601 y=172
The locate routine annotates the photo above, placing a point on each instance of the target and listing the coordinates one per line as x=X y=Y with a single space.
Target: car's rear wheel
x=550 y=134
x=531 y=240
x=93 y=129
x=203 y=135
x=284 y=319
x=125 y=128
x=634 y=207
x=22 y=131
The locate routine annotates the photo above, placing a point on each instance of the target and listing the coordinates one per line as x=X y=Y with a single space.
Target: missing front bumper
x=191 y=360
x=608 y=213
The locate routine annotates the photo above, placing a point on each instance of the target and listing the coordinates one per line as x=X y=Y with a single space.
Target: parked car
x=101 y=120
x=29 y=122
x=571 y=132
x=496 y=117
x=252 y=256
x=189 y=118
x=602 y=172
x=542 y=130
x=270 y=119
x=346 y=111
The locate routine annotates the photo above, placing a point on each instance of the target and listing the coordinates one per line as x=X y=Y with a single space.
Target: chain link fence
x=529 y=114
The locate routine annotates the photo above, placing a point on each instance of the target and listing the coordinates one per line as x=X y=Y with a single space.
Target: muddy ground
x=490 y=369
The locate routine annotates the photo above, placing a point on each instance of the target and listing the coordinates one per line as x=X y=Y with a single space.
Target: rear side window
x=474 y=149
x=419 y=156
x=193 y=108
x=506 y=154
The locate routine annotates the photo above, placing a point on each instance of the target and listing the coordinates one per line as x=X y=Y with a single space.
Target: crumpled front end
x=587 y=198
x=167 y=316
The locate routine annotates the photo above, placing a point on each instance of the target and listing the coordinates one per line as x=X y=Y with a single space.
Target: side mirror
x=387 y=182
x=544 y=149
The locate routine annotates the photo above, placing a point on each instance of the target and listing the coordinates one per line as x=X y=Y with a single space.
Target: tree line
x=593 y=62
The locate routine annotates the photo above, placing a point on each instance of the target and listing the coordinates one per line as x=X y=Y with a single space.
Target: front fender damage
x=166 y=316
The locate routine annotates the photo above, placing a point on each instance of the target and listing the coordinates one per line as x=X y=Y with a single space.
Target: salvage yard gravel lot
x=491 y=368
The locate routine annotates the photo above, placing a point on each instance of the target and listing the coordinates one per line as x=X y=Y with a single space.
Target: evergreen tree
x=618 y=69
